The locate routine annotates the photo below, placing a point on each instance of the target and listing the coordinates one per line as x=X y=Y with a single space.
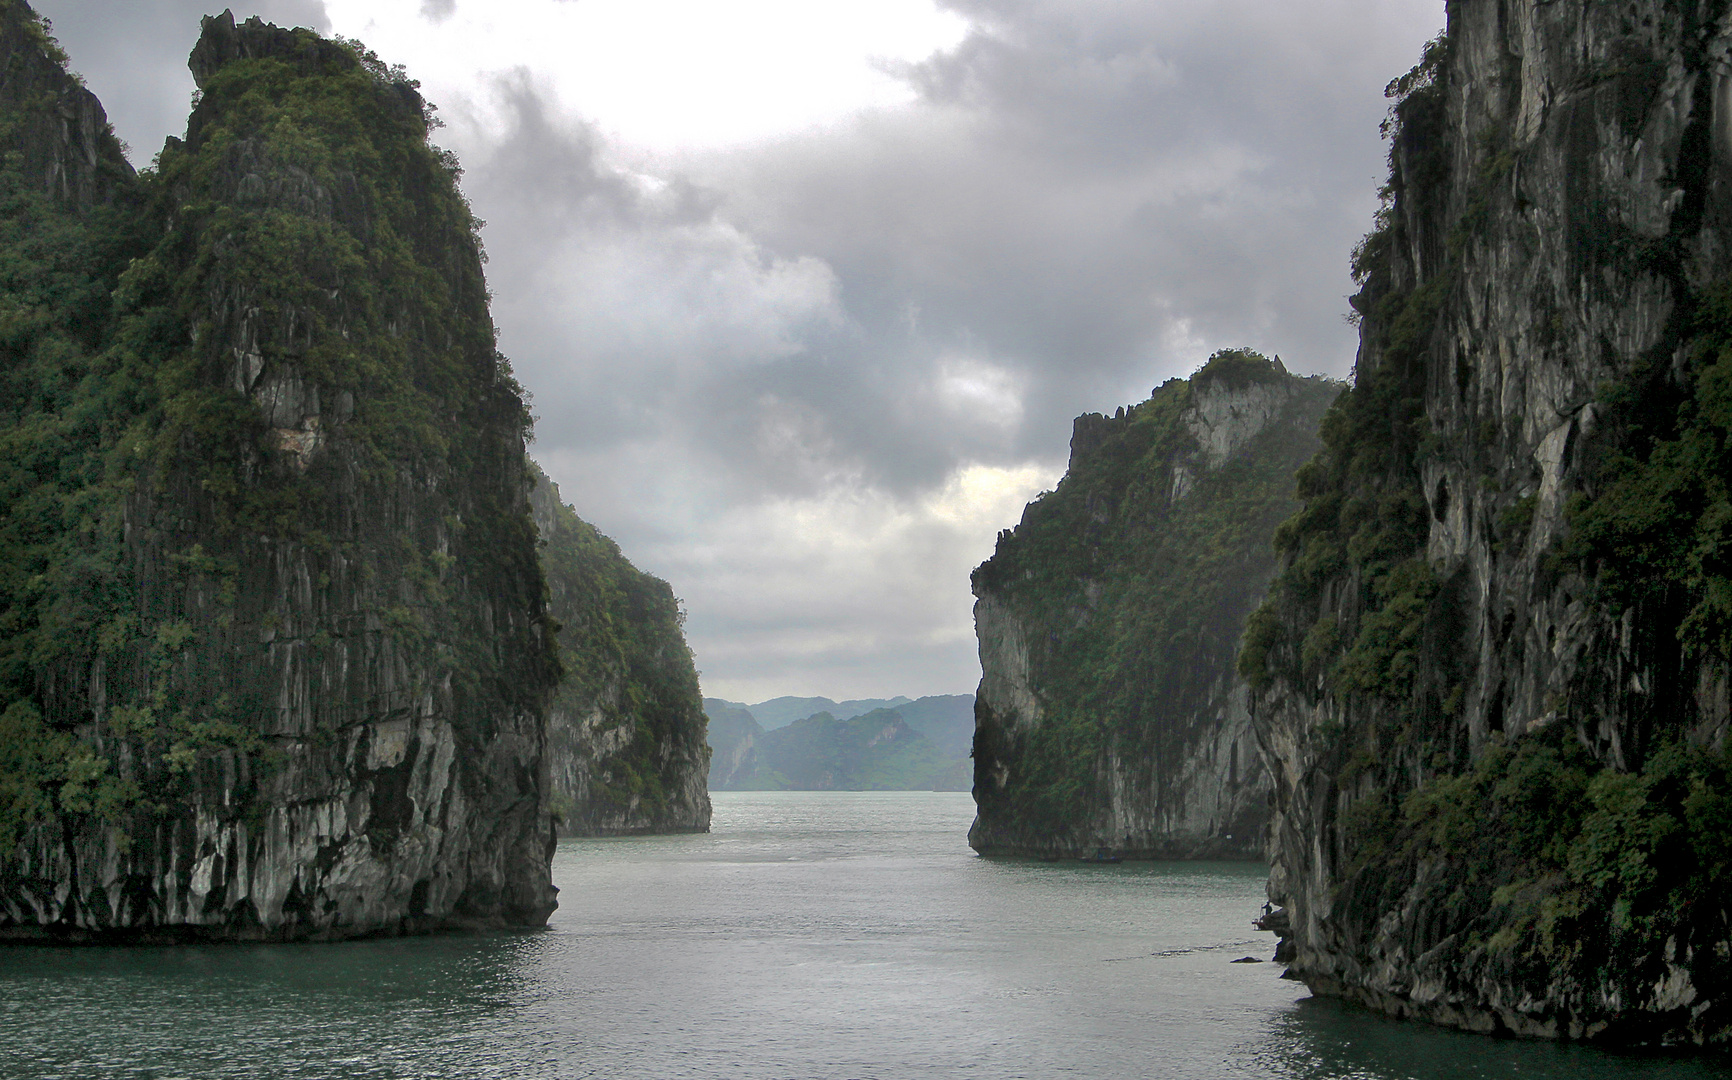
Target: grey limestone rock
x=62 y=133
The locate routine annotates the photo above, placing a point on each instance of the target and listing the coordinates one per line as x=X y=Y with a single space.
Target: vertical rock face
x=626 y=735
x=285 y=667
x=1491 y=680
x=1108 y=712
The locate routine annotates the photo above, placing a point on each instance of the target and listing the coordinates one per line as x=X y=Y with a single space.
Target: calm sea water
x=845 y=935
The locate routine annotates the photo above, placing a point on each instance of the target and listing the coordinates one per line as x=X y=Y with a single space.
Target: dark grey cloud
x=1085 y=199
x=637 y=310
x=1098 y=194
x=132 y=54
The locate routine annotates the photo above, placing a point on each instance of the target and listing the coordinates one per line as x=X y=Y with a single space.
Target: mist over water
x=811 y=934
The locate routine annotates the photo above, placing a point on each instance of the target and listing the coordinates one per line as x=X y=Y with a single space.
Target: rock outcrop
x=275 y=662
x=626 y=749
x=1491 y=680
x=66 y=148
x=1108 y=712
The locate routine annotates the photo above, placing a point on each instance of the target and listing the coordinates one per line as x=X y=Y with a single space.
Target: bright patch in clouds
x=979 y=392
x=896 y=571
x=668 y=75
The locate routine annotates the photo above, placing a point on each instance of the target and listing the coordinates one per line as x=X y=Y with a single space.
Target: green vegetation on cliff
x=1364 y=516
x=626 y=732
x=64 y=399
x=1131 y=583
x=1567 y=865
x=1655 y=530
x=1545 y=866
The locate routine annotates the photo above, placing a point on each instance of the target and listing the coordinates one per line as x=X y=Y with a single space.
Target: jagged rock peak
x=1230 y=399
x=314 y=685
x=222 y=41
x=1235 y=396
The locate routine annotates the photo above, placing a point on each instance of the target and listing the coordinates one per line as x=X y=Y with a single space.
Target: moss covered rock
x=1492 y=676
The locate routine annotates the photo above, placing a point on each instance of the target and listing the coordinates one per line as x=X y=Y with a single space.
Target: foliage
x=1238 y=369
x=1550 y=861
x=1657 y=533
x=64 y=399
x=1353 y=599
x=1537 y=858
x=332 y=291
x=40 y=32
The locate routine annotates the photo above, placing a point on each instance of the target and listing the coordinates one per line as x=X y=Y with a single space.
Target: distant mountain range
x=816 y=744
x=782 y=711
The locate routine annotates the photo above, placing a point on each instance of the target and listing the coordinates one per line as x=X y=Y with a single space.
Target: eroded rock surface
x=59 y=130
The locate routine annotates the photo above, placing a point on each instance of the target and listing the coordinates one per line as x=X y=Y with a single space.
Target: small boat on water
x=1102 y=854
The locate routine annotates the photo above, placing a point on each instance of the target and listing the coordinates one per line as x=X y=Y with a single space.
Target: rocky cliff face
x=275 y=660
x=1491 y=681
x=1108 y=711
x=626 y=735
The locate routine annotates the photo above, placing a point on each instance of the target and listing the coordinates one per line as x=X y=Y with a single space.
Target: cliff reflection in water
x=812 y=934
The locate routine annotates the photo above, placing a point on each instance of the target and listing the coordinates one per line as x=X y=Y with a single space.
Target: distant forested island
x=816 y=744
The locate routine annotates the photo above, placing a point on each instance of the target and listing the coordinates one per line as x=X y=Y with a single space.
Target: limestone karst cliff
x=1108 y=711
x=1491 y=680
x=626 y=751
x=273 y=653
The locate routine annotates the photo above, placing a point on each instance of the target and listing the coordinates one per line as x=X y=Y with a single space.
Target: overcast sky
x=809 y=291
